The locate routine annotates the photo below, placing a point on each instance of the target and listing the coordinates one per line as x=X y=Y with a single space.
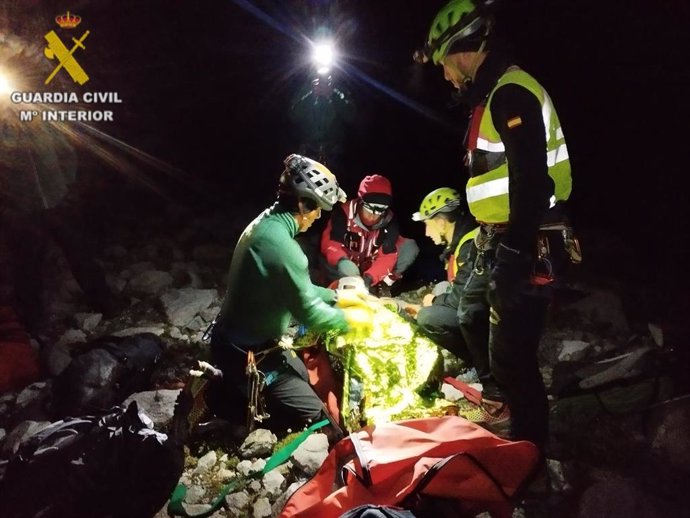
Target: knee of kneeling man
x=424 y=316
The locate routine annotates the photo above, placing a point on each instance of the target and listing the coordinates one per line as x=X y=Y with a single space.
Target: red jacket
x=374 y=250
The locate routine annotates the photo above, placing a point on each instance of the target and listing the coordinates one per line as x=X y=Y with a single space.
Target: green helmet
x=443 y=199
x=457 y=20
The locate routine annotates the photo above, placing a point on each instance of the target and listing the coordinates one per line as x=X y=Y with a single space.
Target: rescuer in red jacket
x=362 y=238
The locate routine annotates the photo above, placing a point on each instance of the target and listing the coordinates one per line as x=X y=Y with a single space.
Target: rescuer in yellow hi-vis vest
x=519 y=172
x=447 y=223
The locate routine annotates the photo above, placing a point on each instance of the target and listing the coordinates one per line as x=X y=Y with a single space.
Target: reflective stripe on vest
x=488 y=191
x=454 y=264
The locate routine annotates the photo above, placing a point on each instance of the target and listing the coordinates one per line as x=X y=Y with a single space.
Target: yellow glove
x=360 y=320
x=352 y=297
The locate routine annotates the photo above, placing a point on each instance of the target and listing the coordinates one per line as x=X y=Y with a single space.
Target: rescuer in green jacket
x=519 y=177
x=268 y=286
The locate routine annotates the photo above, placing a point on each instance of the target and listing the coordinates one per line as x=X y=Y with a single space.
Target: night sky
x=206 y=87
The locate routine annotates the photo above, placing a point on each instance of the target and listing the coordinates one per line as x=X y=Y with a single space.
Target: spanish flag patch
x=514 y=122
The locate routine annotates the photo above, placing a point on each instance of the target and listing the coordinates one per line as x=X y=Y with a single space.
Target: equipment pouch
x=572 y=245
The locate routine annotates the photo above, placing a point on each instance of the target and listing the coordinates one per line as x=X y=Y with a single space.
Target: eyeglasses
x=375 y=208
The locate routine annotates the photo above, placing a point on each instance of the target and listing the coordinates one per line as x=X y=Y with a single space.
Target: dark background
x=207 y=86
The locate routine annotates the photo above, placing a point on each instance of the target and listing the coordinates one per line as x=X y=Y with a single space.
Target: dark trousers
x=511 y=343
x=473 y=318
x=440 y=324
x=290 y=399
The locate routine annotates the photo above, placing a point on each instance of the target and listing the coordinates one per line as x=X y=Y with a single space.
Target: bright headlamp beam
x=405 y=101
x=323 y=57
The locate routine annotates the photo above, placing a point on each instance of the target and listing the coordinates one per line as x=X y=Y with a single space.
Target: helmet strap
x=448 y=232
x=304 y=206
x=469 y=79
x=301 y=216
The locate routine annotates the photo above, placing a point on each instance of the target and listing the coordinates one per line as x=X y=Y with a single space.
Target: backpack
x=107 y=373
x=625 y=383
x=377 y=511
x=112 y=466
x=414 y=462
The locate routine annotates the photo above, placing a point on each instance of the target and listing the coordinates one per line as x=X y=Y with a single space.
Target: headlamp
x=323 y=56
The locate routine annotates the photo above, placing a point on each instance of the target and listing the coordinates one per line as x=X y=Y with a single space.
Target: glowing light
x=323 y=57
x=5 y=84
x=350 y=70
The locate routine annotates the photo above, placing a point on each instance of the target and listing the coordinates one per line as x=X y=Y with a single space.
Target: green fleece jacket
x=269 y=283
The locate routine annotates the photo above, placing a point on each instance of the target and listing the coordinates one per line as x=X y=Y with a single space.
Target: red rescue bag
x=405 y=462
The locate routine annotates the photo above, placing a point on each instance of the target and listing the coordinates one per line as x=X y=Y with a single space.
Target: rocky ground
x=606 y=460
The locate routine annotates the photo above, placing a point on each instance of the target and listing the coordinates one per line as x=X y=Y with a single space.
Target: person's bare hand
x=428 y=299
x=412 y=309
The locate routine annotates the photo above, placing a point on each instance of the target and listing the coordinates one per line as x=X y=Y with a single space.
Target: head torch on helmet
x=313 y=180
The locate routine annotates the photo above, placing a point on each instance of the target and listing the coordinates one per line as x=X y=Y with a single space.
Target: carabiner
x=478 y=266
x=255 y=407
x=572 y=245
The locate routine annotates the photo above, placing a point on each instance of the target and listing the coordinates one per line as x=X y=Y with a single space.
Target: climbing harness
x=484 y=242
x=256 y=380
x=542 y=272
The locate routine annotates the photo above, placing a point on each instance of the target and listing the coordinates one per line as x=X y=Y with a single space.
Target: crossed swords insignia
x=57 y=49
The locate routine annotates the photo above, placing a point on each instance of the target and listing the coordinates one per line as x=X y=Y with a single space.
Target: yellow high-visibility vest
x=488 y=191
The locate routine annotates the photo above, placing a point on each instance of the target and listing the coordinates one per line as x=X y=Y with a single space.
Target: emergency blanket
x=393 y=373
x=413 y=462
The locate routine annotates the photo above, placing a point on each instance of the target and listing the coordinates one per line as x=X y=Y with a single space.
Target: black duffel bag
x=109 y=466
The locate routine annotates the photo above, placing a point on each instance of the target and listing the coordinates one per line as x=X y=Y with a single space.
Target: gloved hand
x=360 y=320
x=347 y=268
x=509 y=277
x=352 y=298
